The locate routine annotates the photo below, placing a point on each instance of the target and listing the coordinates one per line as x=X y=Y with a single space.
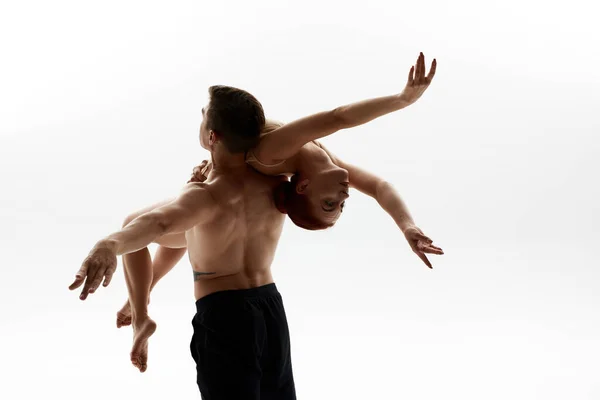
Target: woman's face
x=327 y=193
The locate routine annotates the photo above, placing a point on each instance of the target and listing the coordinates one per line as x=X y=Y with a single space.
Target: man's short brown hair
x=236 y=117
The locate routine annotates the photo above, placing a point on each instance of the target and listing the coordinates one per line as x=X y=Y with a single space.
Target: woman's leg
x=164 y=261
x=138 y=276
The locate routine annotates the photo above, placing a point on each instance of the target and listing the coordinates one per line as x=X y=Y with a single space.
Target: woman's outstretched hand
x=418 y=82
x=421 y=244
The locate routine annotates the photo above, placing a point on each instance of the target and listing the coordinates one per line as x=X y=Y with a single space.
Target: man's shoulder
x=263 y=182
x=195 y=187
x=238 y=185
x=198 y=191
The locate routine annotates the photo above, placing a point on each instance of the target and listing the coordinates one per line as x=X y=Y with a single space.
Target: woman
x=314 y=197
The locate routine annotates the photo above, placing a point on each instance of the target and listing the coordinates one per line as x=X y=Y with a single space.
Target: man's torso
x=235 y=249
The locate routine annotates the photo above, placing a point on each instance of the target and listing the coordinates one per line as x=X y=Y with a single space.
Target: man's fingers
x=432 y=70
x=77 y=282
x=80 y=276
x=84 y=293
x=97 y=279
x=107 y=278
x=86 y=289
x=88 y=283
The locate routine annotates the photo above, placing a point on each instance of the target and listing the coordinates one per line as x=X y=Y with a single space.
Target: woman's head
x=314 y=203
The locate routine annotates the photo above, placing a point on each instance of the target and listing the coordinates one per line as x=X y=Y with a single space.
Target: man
x=232 y=229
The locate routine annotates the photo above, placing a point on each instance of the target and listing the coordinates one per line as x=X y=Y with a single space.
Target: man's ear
x=301 y=186
x=212 y=137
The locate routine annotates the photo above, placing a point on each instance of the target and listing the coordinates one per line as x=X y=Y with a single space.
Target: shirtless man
x=231 y=228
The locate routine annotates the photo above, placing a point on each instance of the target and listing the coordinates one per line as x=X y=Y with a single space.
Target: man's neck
x=224 y=161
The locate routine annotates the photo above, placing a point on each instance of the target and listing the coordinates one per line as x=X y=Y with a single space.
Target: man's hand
x=200 y=173
x=417 y=81
x=100 y=264
x=421 y=244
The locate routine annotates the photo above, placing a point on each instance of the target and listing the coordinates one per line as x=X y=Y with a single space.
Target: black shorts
x=241 y=345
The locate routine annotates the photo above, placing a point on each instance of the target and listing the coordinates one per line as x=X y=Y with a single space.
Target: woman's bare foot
x=124 y=315
x=142 y=330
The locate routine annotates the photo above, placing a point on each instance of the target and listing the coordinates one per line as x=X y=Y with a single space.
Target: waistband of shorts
x=228 y=296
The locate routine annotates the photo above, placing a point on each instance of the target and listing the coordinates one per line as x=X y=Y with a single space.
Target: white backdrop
x=498 y=163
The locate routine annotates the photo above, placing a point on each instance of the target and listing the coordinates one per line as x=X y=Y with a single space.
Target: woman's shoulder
x=270 y=167
x=252 y=159
x=331 y=156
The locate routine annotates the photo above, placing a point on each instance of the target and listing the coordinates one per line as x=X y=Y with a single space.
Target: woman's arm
x=382 y=191
x=389 y=199
x=286 y=141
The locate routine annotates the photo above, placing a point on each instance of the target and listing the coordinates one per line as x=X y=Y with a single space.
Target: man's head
x=233 y=117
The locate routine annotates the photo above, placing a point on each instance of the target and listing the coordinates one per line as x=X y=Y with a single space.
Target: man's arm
x=389 y=199
x=286 y=141
x=194 y=206
x=173 y=240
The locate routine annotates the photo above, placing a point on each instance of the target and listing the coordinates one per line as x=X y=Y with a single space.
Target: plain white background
x=100 y=108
